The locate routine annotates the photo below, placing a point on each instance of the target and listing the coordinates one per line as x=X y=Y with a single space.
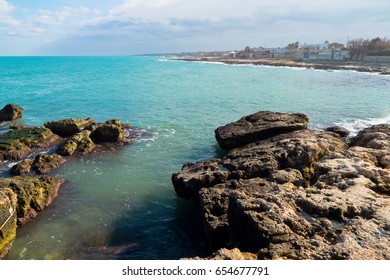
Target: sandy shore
x=322 y=65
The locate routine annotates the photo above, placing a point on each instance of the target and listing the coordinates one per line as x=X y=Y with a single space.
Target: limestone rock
x=80 y=142
x=258 y=126
x=297 y=195
x=7 y=220
x=18 y=143
x=44 y=163
x=33 y=194
x=10 y=112
x=229 y=254
x=69 y=126
x=343 y=132
x=22 y=168
x=297 y=150
x=108 y=133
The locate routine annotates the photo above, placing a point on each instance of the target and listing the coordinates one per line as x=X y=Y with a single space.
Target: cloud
x=153 y=25
x=60 y=16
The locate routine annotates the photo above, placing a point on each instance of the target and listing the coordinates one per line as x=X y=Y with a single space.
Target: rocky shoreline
x=286 y=192
x=36 y=151
x=324 y=65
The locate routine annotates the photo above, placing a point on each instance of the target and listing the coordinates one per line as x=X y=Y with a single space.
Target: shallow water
x=120 y=204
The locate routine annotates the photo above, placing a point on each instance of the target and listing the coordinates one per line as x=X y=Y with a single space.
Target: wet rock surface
x=297 y=195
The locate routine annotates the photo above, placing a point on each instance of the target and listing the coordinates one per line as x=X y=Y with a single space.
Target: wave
x=355 y=125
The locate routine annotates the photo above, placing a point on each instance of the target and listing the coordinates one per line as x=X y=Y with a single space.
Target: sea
x=119 y=203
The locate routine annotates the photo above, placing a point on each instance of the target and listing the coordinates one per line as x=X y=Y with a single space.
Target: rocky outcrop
x=343 y=132
x=33 y=194
x=297 y=195
x=258 y=126
x=112 y=131
x=20 y=142
x=68 y=127
x=34 y=151
x=7 y=220
x=11 y=112
x=81 y=142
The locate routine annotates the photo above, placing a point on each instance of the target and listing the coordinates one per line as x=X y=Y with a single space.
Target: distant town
x=374 y=50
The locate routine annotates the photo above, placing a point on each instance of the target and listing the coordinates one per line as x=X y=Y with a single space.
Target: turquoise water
x=120 y=204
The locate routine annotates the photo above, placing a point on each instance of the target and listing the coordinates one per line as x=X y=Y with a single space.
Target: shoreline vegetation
x=359 y=66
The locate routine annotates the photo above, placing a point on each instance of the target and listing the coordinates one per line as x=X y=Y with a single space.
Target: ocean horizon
x=120 y=203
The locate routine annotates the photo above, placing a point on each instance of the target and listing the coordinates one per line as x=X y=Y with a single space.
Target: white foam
x=355 y=125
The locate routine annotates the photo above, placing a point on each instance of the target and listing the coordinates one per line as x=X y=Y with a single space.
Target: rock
x=297 y=150
x=33 y=194
x=258 y=126
x=108 y=133
x=375 y=137
x=22 y=168
x=10 y=112
x=44 y=163
x=81 y=142
x=68 y=127
x=228 y=254
x=18 y=143
x=7 y=220
x=343 y=132
x=298 y=195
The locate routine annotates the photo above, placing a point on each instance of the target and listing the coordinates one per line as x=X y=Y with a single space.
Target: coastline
x=318 y=65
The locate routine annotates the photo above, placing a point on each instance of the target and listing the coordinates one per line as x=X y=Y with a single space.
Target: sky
x=127 y=27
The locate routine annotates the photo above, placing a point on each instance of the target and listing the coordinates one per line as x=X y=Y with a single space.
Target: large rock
x=258 y=126
x=10 y=112
x=18 y=143
x=297 y=150
x=81 y=142
x=44 y=163
x=33 y=194
x=298 y=195
x=69 y=126
x=109 y=133
x=7 y=220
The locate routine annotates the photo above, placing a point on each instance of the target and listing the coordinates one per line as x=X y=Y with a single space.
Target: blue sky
x=123 y=27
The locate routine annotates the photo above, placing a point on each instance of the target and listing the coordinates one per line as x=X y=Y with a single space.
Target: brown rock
x=80 y=142
x=343 y=132
x=7 y=220
x=258 y=126
x=68 y=127
x=10 y=112
x=33 y=194
x=19 y=143
x=228 y=254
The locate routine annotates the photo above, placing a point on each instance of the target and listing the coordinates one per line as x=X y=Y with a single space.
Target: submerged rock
x=11 y=112
x=258 y=126
x=297 y=195
x=69 y=126
x=7 y=220
x=33 y=194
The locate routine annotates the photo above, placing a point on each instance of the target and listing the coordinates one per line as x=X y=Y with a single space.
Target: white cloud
x=60 y=16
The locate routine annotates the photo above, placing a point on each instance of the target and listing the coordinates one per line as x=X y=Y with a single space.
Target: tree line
x=359 y=48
